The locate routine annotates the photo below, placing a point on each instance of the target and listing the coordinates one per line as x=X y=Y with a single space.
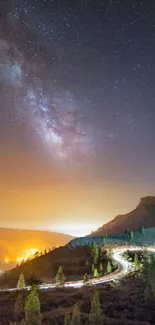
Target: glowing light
x=7 y=260
x=75 y=229
x=27 y=254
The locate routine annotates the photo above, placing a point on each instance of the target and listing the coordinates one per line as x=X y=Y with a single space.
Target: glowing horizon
x=75 y=229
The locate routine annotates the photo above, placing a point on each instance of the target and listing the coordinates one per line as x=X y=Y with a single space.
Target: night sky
x=77 y=111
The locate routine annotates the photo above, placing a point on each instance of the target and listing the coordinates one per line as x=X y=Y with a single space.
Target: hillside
x=142 y=215
x=13 y=242
x=75 y=261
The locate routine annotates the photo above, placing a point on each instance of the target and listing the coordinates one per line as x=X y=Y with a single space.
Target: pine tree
x=87 y=263
x=67 y=320
x=19 y=305
x=101 y=269
x=96 y=274
x=142 y=230
x=85 y=279
x=21 y=282
x=131 y=235
x=96 y=316
x=92 y=268
x=36 y=254
x=32 y=308
x=76 y=317
x=109 y=268
x=60 y=278
x=95 y=253
x=110 y=252
x=136 y=262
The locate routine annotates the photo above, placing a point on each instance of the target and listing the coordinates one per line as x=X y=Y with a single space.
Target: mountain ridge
x=142 y=216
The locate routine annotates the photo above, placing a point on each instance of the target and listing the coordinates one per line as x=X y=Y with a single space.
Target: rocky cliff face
x=148 y=200
x=143 y=215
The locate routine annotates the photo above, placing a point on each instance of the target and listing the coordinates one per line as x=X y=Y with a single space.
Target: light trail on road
x=123 y=267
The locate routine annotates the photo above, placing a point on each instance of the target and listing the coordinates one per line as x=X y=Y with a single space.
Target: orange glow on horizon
x=27 y=254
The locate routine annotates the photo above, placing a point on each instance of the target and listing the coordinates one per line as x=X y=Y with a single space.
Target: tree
x=142 y=230
x=45 y=252
x=104 y=241
x=33 y=279
x=127 y=232
x=145 y=268
x=92 y=268
x=36 y=254
x=67 y=320
x=19 y=305
x=132 y=235
x=96 y=316
x=96 y=274
x=110 y=252
x=109 y=268
x=32 y=308
x=101 y=269
x=85 y=279
x=87 y=263
x=136 y=262
x=76 y=317
x=95 y=253
x=21 y=282
x=60 y=278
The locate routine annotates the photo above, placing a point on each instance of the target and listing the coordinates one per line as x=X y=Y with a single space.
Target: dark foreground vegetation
x=130 y=301
x=124 y=303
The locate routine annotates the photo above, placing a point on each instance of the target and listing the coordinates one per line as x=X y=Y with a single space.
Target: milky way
x=46 y=108
x=78 y=77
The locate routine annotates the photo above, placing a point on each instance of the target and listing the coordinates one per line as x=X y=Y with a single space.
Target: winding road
x=123 y=267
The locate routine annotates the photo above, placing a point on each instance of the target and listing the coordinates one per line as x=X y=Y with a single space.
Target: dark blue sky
x=77 y=83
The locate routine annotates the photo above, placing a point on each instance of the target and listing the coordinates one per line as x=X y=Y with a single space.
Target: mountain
x=143 y=215
x=15 y=243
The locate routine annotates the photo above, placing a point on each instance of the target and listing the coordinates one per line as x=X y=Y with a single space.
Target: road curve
x=123 y=267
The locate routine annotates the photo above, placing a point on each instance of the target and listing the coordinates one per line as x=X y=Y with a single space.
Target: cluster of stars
x=82 y=89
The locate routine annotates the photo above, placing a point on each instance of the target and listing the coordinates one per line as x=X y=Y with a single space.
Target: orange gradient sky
x=34 y=194
x=31 y=199
x=77 y=116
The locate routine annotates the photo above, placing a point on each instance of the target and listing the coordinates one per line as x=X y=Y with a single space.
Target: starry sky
x=77 y=111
